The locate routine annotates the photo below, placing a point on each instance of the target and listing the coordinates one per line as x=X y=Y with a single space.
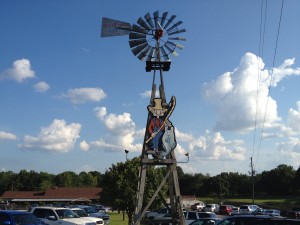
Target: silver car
x=248 y=209
x=91 y=211
x=212 y=208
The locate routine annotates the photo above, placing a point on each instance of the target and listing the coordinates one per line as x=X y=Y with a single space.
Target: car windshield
x=66 y=213
x=163 y=211
x=25 y=219
x=80 y=212
x=90 y=210
x=206 y=215
x=203 y=222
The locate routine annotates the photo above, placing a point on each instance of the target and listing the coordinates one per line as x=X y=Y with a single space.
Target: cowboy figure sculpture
x=161 y=131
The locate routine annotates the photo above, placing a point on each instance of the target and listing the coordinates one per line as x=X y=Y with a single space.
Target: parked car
x=91 y=211
x=14 y=217
x=235 y=210
x=212 y=208
x=81 y=213
x=276 y=221
x=225 y=209
x=191 y=216
x=206 y=221
x=241 y=219
x=163 y=220
x=248 y=209
x=271 y=212
x=100 y=208
x=294 y=213
x=199 y=206
x=157 y=213
x=32 y=206
x=62 y=216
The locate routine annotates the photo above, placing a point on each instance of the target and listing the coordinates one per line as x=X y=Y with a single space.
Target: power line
x=271 y=77
x=260 y=55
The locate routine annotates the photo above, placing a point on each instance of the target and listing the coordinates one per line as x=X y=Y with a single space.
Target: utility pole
x=252 y=172
x=221 y=191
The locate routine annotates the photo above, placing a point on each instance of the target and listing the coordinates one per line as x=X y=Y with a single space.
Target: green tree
x=120 y=186
x=278 y=181
x=98 y=177
x=187 y=184
x=67 y=179
x=87 y=179
x=27 y=181
x=7 y=181
x=233 y=182
x=296 y=181
x=46 y=181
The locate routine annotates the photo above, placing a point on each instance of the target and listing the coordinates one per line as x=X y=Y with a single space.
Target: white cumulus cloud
x=41 y=86
x=20 y=71
x=294 y=119
x=147 y=94
x=211 y=145
x=121 y=132
x=7 y=136
x=290 y=151
x=84 y=146
x=58 y=137
x=241 y=96
x=83 y=95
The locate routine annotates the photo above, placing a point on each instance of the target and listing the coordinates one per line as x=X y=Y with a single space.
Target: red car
x=225 y=209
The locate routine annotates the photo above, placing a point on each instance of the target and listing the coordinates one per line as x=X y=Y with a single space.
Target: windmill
x=154 y=39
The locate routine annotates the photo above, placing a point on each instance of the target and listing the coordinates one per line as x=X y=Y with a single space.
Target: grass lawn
x=117 y=219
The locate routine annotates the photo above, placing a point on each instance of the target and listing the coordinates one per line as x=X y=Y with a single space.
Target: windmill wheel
x=155 y=38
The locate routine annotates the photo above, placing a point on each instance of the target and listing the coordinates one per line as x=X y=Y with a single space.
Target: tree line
x=282 y=180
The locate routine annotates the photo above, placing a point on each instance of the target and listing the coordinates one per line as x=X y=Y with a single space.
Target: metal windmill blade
x=174 y=26
x=176 y=45
x=171 y=50
x=164 y=54
x=155 y=18
x=163 y=18
x=144 y=53
x=150 y=55
x=149 y=20
x=143 y=24
x=177 y=32
x=177 y=38
x=138 y=29
x=169 y=21
x=135 y=42
x=136 y=50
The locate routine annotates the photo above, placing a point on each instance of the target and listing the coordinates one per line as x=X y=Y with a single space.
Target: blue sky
x=71 y=100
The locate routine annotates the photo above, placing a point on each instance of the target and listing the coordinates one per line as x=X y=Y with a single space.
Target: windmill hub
x=159 y=34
